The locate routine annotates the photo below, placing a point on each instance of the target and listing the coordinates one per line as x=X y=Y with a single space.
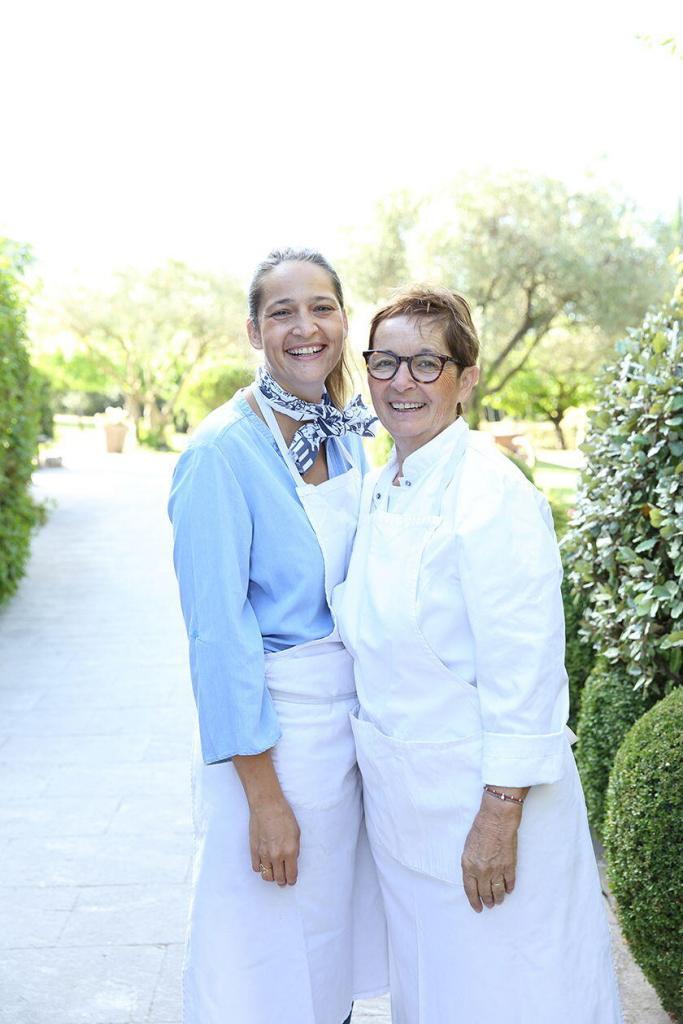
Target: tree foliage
x=530 y=254
x=151 y=332
x=558 y=377
x=20 y=422
x=212 y=388
x=381 y=261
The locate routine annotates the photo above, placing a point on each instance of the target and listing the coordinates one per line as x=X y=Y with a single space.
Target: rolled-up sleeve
x=212 y=533
x=510 y=574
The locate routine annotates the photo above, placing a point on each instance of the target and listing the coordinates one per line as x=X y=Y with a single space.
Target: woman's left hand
x=489 y=859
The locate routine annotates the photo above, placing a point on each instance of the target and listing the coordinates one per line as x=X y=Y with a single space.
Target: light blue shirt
x=250 y=571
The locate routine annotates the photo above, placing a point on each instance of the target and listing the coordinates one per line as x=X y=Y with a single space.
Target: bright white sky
x=208 y=131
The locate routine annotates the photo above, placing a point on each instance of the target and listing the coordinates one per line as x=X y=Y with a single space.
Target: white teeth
x=309 y=351
x=407 y=405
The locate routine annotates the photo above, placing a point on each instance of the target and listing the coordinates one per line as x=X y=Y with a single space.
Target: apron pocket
x=420 y=797
x=315 y=758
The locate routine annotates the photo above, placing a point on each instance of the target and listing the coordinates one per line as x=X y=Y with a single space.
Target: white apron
x=543 y=957
x=258 y=953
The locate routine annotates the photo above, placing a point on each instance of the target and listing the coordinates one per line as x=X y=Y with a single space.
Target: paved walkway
x=95 y=724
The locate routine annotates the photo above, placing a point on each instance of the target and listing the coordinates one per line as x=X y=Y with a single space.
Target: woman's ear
x=254 y=335
x=469 y=377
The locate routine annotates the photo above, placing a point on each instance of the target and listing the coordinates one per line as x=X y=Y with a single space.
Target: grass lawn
x=558 y=482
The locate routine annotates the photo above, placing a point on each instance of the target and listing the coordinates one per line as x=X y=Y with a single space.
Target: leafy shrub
x=644 y=840
x=579 y=657
x=44 y=397
x=19 y=424
x=212 y=388
x=625 y=547
x=609 y=707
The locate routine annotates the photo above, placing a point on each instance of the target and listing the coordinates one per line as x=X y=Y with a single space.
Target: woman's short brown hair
x=439 y=306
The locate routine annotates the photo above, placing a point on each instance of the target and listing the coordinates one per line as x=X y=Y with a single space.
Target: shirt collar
x=442 y=447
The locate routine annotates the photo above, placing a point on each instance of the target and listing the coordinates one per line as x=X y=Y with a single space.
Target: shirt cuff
x=514 y=760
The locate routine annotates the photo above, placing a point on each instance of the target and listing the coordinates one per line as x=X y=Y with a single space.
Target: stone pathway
x=95 y=727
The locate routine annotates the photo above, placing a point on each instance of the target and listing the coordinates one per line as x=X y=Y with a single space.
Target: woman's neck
x=287 y=425
x=310 y=392
x=402 y=453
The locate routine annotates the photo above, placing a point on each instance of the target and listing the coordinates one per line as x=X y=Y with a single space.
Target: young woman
x=286 y=922
x=452 y=611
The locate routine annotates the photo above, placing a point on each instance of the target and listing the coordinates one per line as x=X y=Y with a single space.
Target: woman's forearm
x=259 y=779
x=273 y=829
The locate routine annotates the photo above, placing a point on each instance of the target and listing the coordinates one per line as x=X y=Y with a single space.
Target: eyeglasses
x=424 y=368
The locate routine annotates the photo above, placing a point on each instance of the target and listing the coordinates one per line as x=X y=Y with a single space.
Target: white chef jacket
x=487 y=600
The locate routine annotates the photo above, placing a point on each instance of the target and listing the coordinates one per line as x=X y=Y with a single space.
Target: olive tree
x=151 y=332
x=532 y=256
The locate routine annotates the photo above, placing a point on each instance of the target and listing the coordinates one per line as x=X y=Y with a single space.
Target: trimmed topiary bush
x=578 y=657
x=643 y=843
x=609 y=707
x=20 y=418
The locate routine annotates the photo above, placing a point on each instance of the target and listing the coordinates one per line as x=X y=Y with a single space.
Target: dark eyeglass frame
x=409 y=361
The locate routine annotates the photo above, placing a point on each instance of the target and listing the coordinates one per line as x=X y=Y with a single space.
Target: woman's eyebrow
x=290 y=302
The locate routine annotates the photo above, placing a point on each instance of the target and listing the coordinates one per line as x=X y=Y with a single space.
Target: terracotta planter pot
x=115 y=434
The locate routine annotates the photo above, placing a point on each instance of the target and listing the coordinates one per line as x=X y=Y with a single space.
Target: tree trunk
x=134 y=410
x=156 y=422
x=474 y=409
x=557 y=423
x=133 y=406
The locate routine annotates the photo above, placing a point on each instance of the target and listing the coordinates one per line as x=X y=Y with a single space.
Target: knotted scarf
x=326 y=420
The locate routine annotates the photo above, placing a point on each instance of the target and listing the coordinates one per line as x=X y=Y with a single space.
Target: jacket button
x=407 y=483
x=378 y=496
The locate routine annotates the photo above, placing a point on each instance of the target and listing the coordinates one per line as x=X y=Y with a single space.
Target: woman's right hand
x=274 y=840
x=273 y=830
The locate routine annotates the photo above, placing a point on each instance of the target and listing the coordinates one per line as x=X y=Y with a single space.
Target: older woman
x=452 y=612
x=286 y=922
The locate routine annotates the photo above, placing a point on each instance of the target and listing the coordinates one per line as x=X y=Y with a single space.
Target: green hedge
x=20 y=423
x=579 y=657
x=644 y=845
x=609 y=707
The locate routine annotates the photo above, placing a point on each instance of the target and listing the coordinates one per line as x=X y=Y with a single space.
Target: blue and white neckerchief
x=326 y=420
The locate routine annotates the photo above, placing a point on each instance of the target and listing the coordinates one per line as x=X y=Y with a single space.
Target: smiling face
x=301 y=327
x=415 y=413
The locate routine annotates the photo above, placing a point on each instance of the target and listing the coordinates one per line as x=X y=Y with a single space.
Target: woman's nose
x=403 y=381
x=305 y=325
